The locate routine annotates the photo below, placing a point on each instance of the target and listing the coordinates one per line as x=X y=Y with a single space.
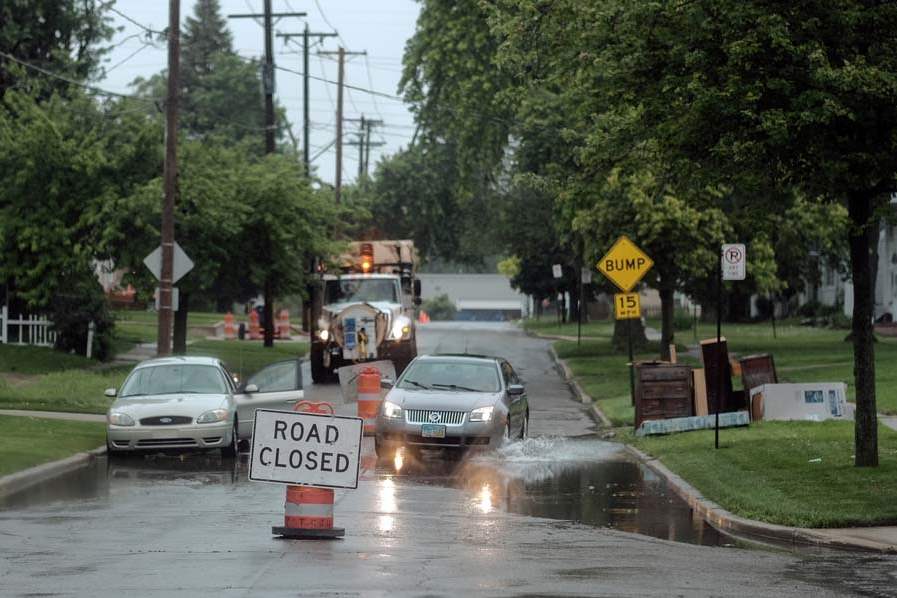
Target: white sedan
x=193 y=403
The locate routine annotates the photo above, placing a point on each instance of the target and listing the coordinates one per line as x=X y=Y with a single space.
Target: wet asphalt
x=562 y=513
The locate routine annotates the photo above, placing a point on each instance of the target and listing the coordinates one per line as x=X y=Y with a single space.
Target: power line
x=129 y=57
x=134 y=22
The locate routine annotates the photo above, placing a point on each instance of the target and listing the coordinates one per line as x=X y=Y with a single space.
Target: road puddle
x=583 y=480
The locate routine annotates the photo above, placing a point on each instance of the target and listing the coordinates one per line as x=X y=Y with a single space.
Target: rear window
x=451 y=375
x=175 y=378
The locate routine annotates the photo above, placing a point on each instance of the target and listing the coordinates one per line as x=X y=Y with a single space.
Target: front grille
x=166 y=420
x=449 y=441
x=166 y=442
x=422 y=416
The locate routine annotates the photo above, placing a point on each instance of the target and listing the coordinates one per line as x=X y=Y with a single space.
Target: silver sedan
x=193 y=403
x=452 y=401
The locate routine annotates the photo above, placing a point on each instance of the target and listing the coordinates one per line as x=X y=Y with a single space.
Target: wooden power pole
x=341 y=59
x=163 y=338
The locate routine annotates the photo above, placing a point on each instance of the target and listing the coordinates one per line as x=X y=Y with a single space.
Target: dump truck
x=362 y=308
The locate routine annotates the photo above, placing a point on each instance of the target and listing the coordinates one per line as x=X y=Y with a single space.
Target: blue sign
x=349 y=329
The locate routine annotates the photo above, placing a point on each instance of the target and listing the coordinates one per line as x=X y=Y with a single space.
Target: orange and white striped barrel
x=283 y=323
x=230 y=331
x=308 y=508
x=255 y=332
x=369 y=398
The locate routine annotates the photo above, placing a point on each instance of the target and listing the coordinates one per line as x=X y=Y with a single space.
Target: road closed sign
x=307 y=449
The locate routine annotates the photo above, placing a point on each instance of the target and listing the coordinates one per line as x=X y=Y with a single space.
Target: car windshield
x=173 y=378
x=451 y=375
x=348 y=290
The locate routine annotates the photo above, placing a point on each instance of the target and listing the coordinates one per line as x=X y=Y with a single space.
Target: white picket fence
x=34 y=330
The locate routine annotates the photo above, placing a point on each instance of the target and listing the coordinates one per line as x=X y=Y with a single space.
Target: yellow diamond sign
x=625 y=264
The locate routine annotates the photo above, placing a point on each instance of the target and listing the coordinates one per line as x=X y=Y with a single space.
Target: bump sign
x=310 y=449
x=627 y=306
x=625 y=264
x=734 y=261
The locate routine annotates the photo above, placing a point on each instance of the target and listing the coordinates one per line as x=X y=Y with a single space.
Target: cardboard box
x=815 y=401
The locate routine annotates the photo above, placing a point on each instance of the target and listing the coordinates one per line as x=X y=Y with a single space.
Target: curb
x=733 y=525
x=580 y=393
x=21 y=480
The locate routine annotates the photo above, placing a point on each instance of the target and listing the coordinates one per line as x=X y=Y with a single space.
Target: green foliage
x=58 y=35
x=682 y=320
x=440 y=307
x=79 y=301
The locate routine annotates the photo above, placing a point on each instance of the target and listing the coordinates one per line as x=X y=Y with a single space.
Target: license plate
x=432 y=431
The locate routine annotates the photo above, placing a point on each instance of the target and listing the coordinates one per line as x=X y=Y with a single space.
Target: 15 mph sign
x=307 y=449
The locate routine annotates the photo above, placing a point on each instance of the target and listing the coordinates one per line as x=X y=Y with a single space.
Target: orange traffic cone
x=423 y=318
x=369 y=398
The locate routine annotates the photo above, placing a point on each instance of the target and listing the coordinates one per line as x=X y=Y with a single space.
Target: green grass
x=78 y=391
x=549 y=326
x=38 y=360
x=247 y=357
x=29 y=441
x=770 y=472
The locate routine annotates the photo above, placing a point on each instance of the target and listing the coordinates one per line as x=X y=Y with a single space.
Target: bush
x=840 y=321
x=809 y=309
x=71 y=310
x=682 y=320
x=440 y=308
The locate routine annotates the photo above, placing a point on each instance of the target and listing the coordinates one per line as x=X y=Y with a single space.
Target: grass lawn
x=244 y=358
x=29 y=441
x=79 y=391
x=548 y=325
x=38 y=360
x=790 y=473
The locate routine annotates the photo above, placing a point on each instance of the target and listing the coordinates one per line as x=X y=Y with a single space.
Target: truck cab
x=365 y=310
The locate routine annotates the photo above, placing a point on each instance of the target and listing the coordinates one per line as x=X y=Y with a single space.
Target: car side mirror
x=110 y=392
x=386 y=383
x=515 y=390
x=251 y=388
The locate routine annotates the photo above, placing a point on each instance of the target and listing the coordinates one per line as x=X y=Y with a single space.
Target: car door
x=517 y=404
x=279 y=387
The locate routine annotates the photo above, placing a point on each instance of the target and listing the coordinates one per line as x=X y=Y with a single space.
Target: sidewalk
x=873 y=539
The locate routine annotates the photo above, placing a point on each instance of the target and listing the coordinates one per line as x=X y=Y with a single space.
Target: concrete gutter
x=16 y=482
x=866 y=539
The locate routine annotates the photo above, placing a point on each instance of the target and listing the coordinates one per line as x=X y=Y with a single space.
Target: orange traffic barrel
x=230 y=331
x=254 y=330
x=369 y=398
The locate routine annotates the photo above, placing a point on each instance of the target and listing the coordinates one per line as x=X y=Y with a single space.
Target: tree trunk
x=666 y=316
x=860 y=208
x=269 y=313
x=179 y=335
x=621 y=333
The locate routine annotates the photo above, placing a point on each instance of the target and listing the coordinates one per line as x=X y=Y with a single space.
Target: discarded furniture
x=662 y=391
x=816 y=401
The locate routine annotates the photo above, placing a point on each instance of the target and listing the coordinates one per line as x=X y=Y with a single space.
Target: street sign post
x=182 y=263
x=557 y=271
x=175 y=298
x=307 y=449
x=732 y=266
x=625 y=264
x=627 y=306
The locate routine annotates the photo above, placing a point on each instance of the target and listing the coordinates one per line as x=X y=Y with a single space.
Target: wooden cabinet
x=663 y=391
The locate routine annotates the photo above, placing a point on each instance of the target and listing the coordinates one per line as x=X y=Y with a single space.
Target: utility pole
x=341 y=53
x=163 y=338
x=306 y=133
x=270 y=127
x=364 y=142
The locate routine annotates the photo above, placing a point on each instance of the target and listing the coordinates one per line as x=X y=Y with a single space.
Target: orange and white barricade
x=308 y=510
x=283 y=323
x=369 y=398
x=255 y=333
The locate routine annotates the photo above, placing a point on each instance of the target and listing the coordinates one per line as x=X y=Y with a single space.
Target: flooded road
x=562 y=513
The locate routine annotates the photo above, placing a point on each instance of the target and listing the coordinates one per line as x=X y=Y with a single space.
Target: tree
x=800 y=94
x=58 y=35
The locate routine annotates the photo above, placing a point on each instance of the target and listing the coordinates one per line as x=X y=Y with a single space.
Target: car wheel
x=382 y=451
x=232 y=449
x=524 y=430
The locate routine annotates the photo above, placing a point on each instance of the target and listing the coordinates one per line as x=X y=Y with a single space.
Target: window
x=278 y=377
x=349 y=290
x=175 y=378
x=451 y=375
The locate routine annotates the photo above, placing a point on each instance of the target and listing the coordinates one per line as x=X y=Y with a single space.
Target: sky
x=381 y=28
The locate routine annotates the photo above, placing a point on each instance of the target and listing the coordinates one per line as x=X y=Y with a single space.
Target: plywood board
x=700 y=392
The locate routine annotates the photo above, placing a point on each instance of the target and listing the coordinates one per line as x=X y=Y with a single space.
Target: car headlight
x=210 y=417
x=120 y=419
x=401 y=328
x=482 y=414
x=324 y=335
x=391 y=410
